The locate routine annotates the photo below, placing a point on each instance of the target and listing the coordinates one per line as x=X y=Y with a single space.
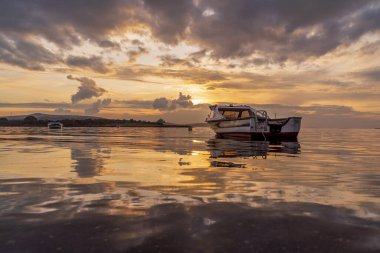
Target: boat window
x=244 y=114
x=231 y=114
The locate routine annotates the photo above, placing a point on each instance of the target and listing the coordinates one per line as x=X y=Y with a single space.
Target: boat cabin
x=237 y=113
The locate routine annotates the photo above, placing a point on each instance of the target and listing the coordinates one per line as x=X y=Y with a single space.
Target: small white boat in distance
x=246 y=121
x=55 y=125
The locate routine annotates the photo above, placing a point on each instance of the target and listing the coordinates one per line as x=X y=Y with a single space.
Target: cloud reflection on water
x=320 y=168
x=89 y=158
x=131 y=190
x=107 y=217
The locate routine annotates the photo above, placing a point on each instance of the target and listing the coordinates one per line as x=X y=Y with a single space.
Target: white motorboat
x=246 y=121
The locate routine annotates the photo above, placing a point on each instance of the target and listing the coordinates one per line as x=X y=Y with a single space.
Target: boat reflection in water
x=55 y=125
x=240 y=148
x=168 y=190
x=255 y=149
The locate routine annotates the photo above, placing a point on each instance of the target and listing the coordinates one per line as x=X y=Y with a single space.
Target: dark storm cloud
x=25 y=54
x=165 y=104
x=94 y=63
x=275 y=30
x=279 y=30
x=283 y=29
x=63 y=22
x=169 y=20
x=88 y=89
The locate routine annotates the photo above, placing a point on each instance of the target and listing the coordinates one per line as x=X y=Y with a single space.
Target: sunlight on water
x=55 y=175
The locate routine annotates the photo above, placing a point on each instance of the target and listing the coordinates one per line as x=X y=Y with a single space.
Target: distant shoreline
x=158 y=126
x=39 y=120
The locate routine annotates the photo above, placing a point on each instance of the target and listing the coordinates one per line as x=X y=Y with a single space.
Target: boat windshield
x=261 y=114
x=230 y=114
x=245 y=114
x=234 y=114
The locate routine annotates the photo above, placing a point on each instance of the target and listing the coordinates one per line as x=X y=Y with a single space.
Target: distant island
x=41 y=120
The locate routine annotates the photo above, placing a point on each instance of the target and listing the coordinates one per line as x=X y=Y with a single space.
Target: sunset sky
x=150 y=59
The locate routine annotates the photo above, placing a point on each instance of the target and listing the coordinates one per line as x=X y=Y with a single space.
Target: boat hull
x=287 y=128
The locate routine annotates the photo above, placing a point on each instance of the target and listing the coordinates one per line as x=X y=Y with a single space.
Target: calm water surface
x=170 y=190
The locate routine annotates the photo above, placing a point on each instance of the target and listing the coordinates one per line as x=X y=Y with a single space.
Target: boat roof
x=232 y=106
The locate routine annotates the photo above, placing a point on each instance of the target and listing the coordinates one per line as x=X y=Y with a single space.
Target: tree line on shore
x=90 y=122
